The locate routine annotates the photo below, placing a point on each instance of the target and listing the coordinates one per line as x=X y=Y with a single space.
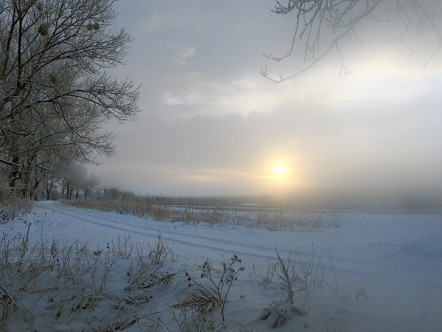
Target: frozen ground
x=375 y=272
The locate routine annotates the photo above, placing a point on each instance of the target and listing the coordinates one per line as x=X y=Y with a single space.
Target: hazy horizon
x=212 y=126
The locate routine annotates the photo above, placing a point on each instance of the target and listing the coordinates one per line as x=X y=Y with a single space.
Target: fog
x=211 y=125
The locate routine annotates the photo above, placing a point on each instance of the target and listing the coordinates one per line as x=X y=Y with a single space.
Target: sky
x=211 y=125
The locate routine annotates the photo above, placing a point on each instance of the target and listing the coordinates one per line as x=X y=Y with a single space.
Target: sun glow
x=279 y=170
x=281 y=174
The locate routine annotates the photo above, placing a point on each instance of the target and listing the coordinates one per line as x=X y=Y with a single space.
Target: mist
x=212 y=126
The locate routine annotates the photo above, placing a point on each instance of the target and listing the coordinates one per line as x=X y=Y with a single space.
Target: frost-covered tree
x=55 y=86
x=76 y=180
x=89 y=184
x=321 y=26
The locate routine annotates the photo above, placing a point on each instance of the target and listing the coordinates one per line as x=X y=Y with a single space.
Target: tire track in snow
x=201 y=247
x=152 y=232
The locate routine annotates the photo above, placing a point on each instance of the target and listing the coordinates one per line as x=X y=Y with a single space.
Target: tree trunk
x=15 y=174
x=49 y=186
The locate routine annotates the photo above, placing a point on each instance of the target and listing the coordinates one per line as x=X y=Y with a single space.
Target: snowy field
x=361 y=272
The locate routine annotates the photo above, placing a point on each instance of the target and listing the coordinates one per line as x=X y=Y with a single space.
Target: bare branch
x=55 y=94
x=329 y=21
x=10 y=163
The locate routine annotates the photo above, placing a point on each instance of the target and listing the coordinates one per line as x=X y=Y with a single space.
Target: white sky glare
x=211 y=125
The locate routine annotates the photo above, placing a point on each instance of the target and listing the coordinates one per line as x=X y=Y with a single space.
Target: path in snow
x=395 y=259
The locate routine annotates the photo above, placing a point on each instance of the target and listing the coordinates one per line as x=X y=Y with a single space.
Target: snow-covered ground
x=375 y=271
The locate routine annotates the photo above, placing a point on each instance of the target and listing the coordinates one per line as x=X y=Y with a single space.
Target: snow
x=375 y=271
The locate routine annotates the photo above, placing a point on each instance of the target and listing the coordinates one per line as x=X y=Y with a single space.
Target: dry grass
x=68 y=282
x=207 y=293
x=139 y=207
x=297 y=271
x=271 y=219
x=12 y=207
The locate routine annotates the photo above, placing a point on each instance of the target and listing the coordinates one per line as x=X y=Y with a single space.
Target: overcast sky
x=211 y=125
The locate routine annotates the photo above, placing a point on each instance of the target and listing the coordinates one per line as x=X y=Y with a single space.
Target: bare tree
x=322 y=25
x=89 y=184
x=77 y=180
x=55 y=89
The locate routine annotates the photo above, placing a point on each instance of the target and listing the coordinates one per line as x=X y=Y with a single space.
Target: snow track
x=148 y=230
x=395 y=259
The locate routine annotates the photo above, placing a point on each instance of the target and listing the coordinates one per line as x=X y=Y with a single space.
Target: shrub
x=210 y=291
x=12 y=207
x=68 y=281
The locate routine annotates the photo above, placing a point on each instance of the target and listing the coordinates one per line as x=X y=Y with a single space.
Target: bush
x=12 y=207
x=209 y=292
x=296 y=270
x=68 y=282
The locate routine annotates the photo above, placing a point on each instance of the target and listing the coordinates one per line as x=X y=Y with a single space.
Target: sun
x=281 y=174
x=279 y=170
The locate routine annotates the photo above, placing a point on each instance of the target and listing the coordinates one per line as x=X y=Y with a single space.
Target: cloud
x=341 y=147
x=185 y=53
x=212 y=125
